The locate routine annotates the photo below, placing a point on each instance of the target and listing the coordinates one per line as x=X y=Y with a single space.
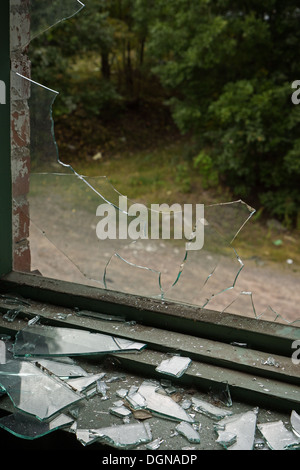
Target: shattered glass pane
x=34 y=392
x=62 y=201
x=175 y=366
x=242 y=426
x=277 y=436
x=123 y=436
x=41 y=340
x=27 y=427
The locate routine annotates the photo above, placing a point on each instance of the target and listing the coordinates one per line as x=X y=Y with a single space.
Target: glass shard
x=201 y=406
x=82 y=384
x=34 y=392
x=295 y=422
x=30 y=428
x=136 y=401
x=226 y=438
x=278 y=437
x=121 y=411
x=175 y=366
x=163 y=405
x=187 y=430
x=62 y=369
x=242 y=426
x=41 y=340
x=154 y=445
x=125 y=436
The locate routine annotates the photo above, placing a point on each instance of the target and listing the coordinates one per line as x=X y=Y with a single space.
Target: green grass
x=164 y=175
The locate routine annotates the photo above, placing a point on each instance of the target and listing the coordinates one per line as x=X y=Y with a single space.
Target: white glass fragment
x=187 y=430
x=162 y=404
x=226 y=438
x=243 y=426
x=83 y=383
x=124 y=436
x=154 y=445
x=295 y=423
x=120 y=411
x=136 y=401
x=277 y=436
x=201 y=406
x=175 y=366
x=41 y=340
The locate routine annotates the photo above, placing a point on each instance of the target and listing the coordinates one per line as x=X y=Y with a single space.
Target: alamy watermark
x=160 y=221
x=296 y=353
x=296 y=94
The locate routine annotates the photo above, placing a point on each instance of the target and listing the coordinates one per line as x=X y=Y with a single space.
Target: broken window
x=83 y=230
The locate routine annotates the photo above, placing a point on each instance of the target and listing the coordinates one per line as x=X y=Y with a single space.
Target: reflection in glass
x=27 y=427
x=34 y=392
x=41 y=340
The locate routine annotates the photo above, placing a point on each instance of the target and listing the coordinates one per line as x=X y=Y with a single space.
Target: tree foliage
x=225 y=69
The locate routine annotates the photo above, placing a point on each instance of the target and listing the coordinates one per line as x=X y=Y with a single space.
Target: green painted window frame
x=6 y=257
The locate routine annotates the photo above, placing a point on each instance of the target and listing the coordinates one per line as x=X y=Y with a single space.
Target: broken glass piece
x=225 y=438
x=271 y=362
x=154 y=445
x=278 y=437
x=11 y=315
x=124 y=436
x=33 y=320
x=221 y=393
x=102 y=389
x=201 y=406
x=243 y=426
x=100 y=316
x=33 y=391
x=28 y=427
x=9 y=299
x=162 y=404
x=120 y=411
x=62 y=369
x=41 y=340
x=295 y=423
x=122 y=392
x=175 y=366
x=187 y=430
x=136 y=401
x=83 y=383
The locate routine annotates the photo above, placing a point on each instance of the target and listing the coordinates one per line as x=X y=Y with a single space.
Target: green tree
x=229 y=66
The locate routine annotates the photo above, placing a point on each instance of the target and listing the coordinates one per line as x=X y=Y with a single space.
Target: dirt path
x=271 y=285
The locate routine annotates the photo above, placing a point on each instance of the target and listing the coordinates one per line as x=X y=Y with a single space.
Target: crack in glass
x=64 y=219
